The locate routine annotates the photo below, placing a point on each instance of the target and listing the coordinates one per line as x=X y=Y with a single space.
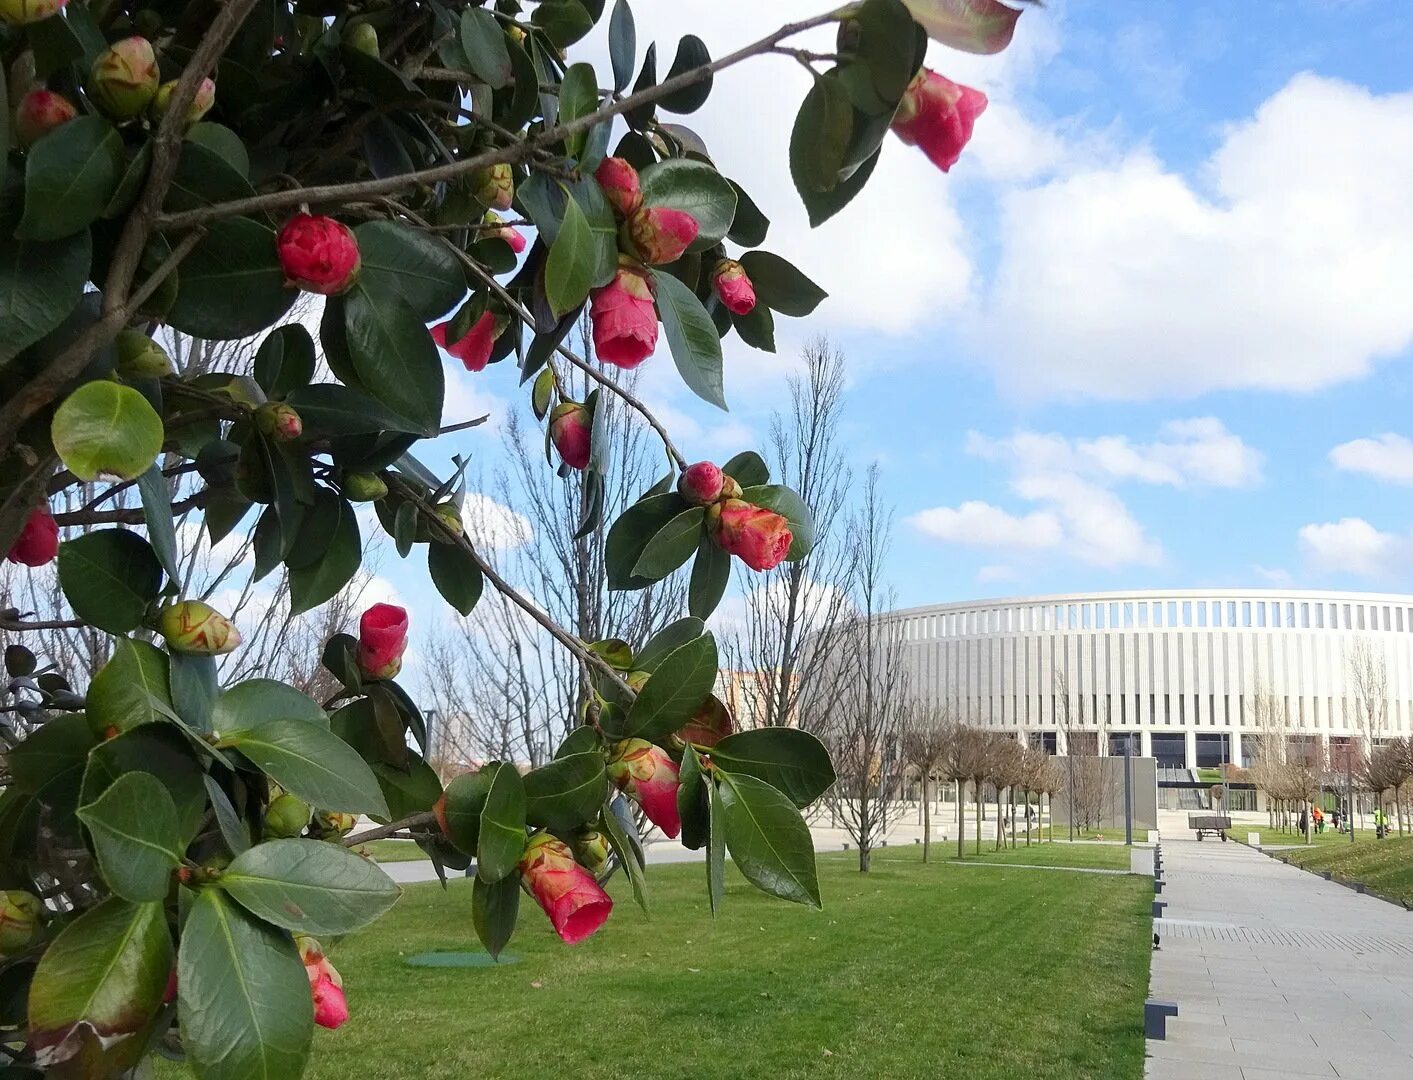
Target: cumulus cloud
x=493 y=525
x=1387 y=457
x=1277 y=268
x=1353 y=546
x=979 y=524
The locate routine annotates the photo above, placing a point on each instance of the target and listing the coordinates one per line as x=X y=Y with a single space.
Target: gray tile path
x=1277 y=974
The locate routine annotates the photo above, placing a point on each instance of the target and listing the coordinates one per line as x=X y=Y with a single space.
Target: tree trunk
x=865 y=858
x=1027 y=819
x=926 y=819
x=977 y=793
x=961 y=823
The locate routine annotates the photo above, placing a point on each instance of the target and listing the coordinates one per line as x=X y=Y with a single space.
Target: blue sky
x=1152 y=330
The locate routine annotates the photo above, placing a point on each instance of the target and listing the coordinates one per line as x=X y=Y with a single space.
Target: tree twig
x=424 y=817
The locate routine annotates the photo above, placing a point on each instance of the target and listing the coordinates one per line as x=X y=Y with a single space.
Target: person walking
x=1319 y=816
x=1380 y=823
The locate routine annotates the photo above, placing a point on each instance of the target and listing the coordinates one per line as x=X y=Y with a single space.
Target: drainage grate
x=1293 y=939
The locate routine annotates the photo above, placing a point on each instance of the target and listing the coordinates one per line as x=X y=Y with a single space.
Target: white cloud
x=996 y=574
x=1353 y=546
x=1273 y=575
x=1285 y=267
x=1098 y=528
x=1387 y=457
x=979 y=524
x=494 y=526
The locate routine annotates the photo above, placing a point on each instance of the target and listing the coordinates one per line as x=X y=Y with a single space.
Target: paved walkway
x=1277 y=974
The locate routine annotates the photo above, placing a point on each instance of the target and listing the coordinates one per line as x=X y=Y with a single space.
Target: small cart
x=1209 y=825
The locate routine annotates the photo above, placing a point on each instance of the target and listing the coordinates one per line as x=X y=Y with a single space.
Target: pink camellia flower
x=474 y=348
x=40 y=112
x=659 y=235
x=279 y=421
x=647 y=775
x=382 y=639
x=733 y=287
x=196 y=628
x=325 y=984
x=24 y=12
x=937 y=115
x=123 y=80
x=701 y=484
x=570 y=428
x=619 y=181
x=318 y=254
x=509 y=233
x=38 y=541
x=567 y=893
x=760 y=538
x=625 y=321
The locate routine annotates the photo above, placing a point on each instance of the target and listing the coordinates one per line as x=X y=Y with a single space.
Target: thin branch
x=21 y=625
x=425 y=817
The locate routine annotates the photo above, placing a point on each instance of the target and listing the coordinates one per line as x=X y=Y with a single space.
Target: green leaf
x=231 y=284
x=666 y=641
x=820 y=138
x=194 y=689
x=109 y=577
x=756 y=327
x=250 y=703
x=70 y=174
x=285 y=361
x=780 y=285
x=99 y=983
x=578 y=96
x=309 y=886
x=567 y=792
x=823 y=205
x=394 y=356
x=676 y=690
x=691 y=54
x=331 y=409
x=749 y=227
x=312 y=763
x=792 y=761
x=106 y=427
x=402 y=261
x=465 y=801
x=628 y=850
x=161 y=752
x=570 y=266
x=223 y=141
x=692 y=801
x=768 y=839
x=245 y=1005
x=711 y=571
x=483 y=40
x=974 y=26
x=310 y=586
x=132 y=688
x=494 y=910
x=716 y=846
x=790 y=506
x=56 y=747
x=692 y=337
x=748 y=469
x=204 y=177
x=136 y=836
x=40 y=282
x=579 y=741
x=622 y=44
x=672 y=545
x=563 y=21
x=411 y=791
x=631 y=533
x=694 y=187
x=456 y=574
x=235 y=830
x=502 y=833
x=157 y=512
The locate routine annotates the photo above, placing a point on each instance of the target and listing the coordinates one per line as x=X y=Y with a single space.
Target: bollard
x=1157 y=886
x=1155 y=1018
x=1158 y=906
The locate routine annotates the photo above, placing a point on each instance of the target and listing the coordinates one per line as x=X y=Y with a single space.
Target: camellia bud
x=124 y=78
x=450 y=515
x=494 y=185
x=382 y=639
x=364 y=487
x=20 y=915
x=196 y=628
x=700 y=484
x=570 y=430
x=733 y=287
x=937 y=115
x=279 y=421
x=40 y=112
x=200 y=104
x=139 y=357
x=566 y=891
x=24 y=12
x=325 y=985
x=729 y=488
x=335 y=823
x=647 y=775
x=591 y=851
x=624 y=318
x=363 y=37
x=501 y=231
x=657 y=234
x=619 y=181
x=286 y=817
x=38 y=541
x=318 y=254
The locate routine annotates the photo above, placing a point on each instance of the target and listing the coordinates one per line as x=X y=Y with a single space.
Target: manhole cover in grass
x=458 y=960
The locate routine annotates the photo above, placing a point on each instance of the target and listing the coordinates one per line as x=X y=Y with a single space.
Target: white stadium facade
x=1176 y=673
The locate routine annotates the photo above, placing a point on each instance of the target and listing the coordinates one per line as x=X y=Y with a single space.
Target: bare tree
x=959 y=764
x=1084 y=769
x=927 y=745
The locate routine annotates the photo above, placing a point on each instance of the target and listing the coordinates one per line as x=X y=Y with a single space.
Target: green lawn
x=385 y=851
x=1277 y=838
x=1100 y=856
x=1385 y=866
x=909 y=971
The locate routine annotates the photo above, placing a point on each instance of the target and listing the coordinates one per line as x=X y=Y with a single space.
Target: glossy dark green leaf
x=630 y=534
x=638 y=118
x=667 y=641
x=203 y=178
x=235 y=830
x=622 y=44
x=692 y=337
x=194 y=689
x=502 y=833
x=224 y=142
x=672 y=545
x=58 y=746
x=399 y=260
x=691 y=54
x=821 y=206
x=780 y=285
x=309 y=886
x=105 y=972
x=331 y=409
x=792 y=761
x=109 y=577
x=310 y=586
x=756 y=327
x=157 y=511
x=563 y=21
x=750 y=226
x=456 y=574
x=748 y=469
x=410 y=790
x=676 y=690
x=106 y=427
x=483 y=40
x=40 y=282
x=820 y=138
x=136 y=836
x=628 y=849
x=578 y=97
x=160 y=750
x=313 y=763
x=696 y=188
x=884 y=45
x=394 y=355
x=252 y=702
x=132 y=688
x=231 y=284
x=570 y=267
x=244 y=1003
x=768 y=839
x=711 y=572
x=494 y=909
x=70 y=174
x=789 y=505
x=567 y=792
x=692 y=802
x=579 y=741
x=285 y=361
x=716 y=847
x=465 y=801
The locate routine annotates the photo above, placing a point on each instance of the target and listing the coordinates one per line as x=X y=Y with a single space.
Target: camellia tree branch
x=187 y=817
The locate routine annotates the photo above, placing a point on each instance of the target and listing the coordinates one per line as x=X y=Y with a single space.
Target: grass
x=1384 y=866
x=386 y=851
x=1097 y=856
x=1276 y=838
x=909 y=971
